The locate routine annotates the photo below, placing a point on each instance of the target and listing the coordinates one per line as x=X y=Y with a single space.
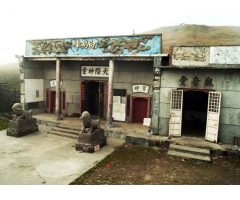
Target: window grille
x=176 y=100
x=214 y=101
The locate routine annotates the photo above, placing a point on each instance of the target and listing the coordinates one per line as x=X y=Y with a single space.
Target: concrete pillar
x=156 y=96
x=110 y=94
x=58 y=77
x=21 y=60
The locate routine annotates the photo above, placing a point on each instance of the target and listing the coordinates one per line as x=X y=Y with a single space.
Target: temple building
x=110 y=77
x=191 y=91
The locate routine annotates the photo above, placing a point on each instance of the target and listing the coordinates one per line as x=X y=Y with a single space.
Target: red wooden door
x=83 y=96
x=52 y=101
x=100 y=100
x=139 y=109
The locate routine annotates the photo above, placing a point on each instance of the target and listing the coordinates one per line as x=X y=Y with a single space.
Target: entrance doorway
x=140 y=109
x=191 y=111
x=51 y=100
x=195 y=104
x=92 y=97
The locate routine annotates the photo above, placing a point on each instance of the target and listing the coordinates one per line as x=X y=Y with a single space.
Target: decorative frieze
x=118 y=45
x=190 y=56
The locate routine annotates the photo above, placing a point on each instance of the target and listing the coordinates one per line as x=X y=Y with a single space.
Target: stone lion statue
x=88 y=123
x=20 y=113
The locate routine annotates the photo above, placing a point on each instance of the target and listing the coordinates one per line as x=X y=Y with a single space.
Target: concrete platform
x=138 y=134
x=41 y=158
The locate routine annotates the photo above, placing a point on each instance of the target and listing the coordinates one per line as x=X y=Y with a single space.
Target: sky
x=45 y=19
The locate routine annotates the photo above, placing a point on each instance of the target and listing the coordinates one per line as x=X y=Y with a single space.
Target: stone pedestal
x=91 y=142
x=22 y=127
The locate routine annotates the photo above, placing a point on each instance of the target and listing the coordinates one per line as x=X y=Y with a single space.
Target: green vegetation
x=198 y=35
x=8 y=96
x=9 y=86
x=3 y=124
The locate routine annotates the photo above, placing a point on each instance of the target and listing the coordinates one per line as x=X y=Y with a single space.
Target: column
x=58 y=77
x=110 y=94
x=156 y=96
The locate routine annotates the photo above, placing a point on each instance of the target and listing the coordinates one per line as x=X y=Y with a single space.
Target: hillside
x=9 y=73
x=198 y=35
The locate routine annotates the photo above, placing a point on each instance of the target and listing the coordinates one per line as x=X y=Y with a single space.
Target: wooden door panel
x=175 y=120
x=213 y=114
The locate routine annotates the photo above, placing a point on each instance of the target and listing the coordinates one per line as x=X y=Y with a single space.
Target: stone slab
x=22 y=127
x=69 y=127
x=94 y=137
x=70 y=131
x=63 y=134
x=195 y=150
x=188 y=155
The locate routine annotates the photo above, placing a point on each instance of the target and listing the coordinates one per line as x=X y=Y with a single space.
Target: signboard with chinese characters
x=112 y=45
x=140 y=88
x=53 y=83
x=225 y=55
x=94 y=71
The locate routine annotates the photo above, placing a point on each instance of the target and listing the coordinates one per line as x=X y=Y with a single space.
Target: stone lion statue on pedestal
x=20 y=113
x=88 y=123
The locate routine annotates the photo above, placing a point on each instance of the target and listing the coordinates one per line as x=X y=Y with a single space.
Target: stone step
x=63 y=134
x=188 y=155
x=74 y=132
x=188 y=149
x=70 y=127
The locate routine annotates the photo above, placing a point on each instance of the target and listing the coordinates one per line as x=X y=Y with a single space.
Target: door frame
x=148 y=105
x=50 y=103
x=100 y=97
x=216 y=127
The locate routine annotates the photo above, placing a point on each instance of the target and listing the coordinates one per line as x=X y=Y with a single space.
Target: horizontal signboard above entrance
x=99 y=46
x=94 y=71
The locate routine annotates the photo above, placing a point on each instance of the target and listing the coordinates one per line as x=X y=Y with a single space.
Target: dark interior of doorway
x=93 y=98
x=194 y=113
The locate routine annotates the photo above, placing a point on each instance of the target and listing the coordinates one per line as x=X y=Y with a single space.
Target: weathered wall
x=30 y=70
x=225 y=81
x=126 y=74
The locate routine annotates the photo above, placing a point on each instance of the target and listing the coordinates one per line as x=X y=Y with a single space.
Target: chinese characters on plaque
x=140 y=88
x=94 y=71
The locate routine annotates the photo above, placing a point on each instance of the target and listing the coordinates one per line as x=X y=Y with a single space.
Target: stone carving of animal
x=20 y=113
x=88 y=123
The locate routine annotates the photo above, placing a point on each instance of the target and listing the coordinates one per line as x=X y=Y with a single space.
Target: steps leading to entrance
x=189 y=152
x=65 y=131
x=63 y=134
x=69 y=127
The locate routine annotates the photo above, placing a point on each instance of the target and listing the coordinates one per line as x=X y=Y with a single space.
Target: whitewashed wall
x=33 y=90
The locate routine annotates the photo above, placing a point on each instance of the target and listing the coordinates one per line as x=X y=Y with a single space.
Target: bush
x=8 y=96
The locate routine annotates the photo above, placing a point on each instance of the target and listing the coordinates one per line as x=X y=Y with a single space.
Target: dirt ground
x=139 y=165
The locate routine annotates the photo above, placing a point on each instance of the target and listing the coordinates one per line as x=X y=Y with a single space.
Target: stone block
x=22 y=127
x=88 y=142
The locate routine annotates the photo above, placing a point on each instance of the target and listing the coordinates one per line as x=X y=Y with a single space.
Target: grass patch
x=3 y=124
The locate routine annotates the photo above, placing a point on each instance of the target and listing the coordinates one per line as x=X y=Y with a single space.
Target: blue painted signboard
x=104 y=46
